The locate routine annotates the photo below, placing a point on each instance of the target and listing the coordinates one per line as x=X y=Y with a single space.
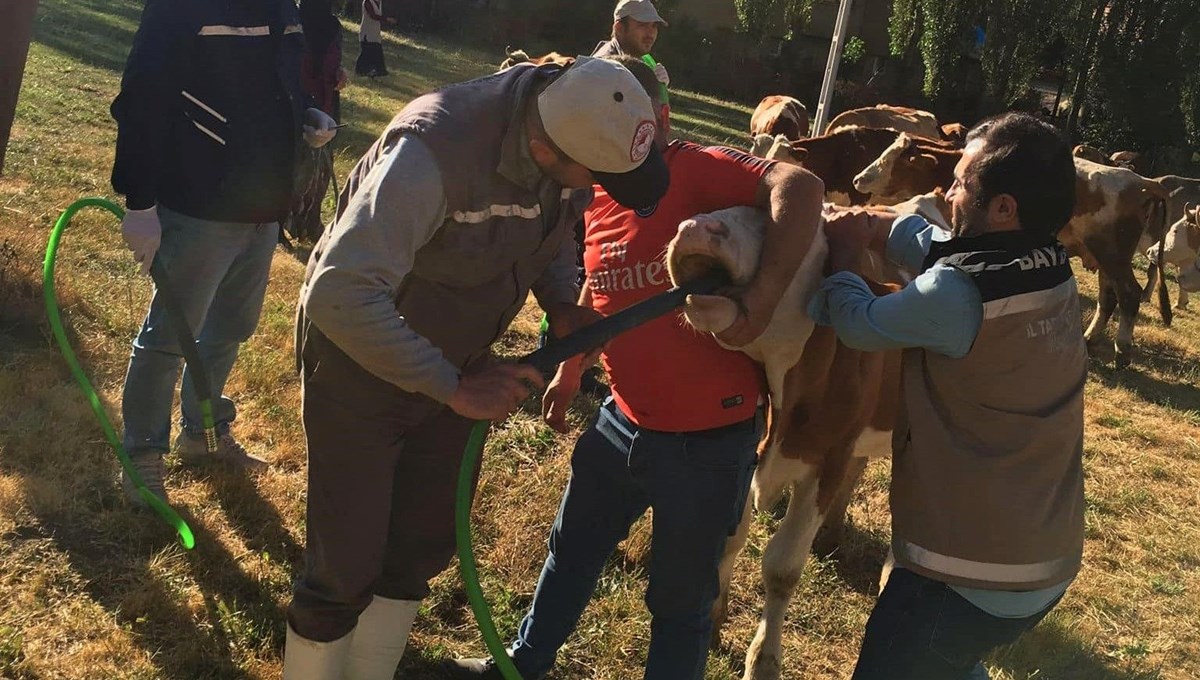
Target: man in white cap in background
x=634 y=32
x=463 y=205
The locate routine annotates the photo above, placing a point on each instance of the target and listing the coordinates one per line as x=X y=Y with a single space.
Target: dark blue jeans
x=921 y=629
x=697 y=484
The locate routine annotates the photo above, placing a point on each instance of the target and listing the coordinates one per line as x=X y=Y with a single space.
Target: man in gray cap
x=634 y=31
x=462 y=207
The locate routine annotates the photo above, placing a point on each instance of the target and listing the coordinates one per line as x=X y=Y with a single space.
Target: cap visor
x=641 y=187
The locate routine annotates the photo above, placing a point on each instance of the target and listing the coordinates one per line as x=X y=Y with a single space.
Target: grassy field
x=92 y=589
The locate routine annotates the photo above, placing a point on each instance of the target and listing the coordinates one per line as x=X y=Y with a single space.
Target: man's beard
x=967 y=222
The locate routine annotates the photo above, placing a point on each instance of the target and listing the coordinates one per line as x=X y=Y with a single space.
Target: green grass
x=92 y=589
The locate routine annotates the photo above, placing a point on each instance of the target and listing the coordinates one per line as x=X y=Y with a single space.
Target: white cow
x=1181 y=246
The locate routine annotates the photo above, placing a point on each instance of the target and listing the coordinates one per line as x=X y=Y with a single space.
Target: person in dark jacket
x=208 y=116
x=323 y=77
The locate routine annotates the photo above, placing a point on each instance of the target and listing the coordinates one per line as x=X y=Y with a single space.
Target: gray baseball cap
x=638 y=10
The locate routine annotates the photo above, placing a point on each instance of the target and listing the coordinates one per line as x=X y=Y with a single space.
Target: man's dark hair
x=644 y=74
x=1031 y=161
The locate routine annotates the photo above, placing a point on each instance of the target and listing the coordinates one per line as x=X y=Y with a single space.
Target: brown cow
x=1130 y=160
x=898 y=118
x=831 y=408
x=779 y=115
x=955 y=132
x=1091 y=153
x=518 y=56
x=838 y=157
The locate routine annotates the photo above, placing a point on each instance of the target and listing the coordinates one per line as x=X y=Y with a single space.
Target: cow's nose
x=713 y=227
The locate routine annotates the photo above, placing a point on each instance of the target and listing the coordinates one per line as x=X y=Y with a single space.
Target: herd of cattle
x=883 y=155
x=833 y=408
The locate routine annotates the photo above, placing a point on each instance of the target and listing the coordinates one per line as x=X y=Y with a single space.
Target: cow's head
x=729 y=240
x=902 y=157
x=1189 y=276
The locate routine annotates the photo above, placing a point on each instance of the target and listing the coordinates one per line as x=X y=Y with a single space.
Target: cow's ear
x=924 y=161
x=1191 y=210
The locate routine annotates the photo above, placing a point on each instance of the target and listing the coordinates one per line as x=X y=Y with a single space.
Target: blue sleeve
x=941 y=310
x=909 y=241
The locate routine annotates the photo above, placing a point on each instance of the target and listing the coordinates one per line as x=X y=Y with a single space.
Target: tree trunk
x=1083 y=65
x=15 y=33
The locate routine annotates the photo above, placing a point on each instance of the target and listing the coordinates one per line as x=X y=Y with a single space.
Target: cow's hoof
x=764 y=668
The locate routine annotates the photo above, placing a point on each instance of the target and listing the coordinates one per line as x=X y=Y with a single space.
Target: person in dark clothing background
x=370 y=40
x=323 y=77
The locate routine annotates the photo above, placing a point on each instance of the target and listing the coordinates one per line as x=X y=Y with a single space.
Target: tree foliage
x=759 y=18
x=1133 y=65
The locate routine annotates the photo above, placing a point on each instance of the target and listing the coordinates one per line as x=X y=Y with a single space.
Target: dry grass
x=92 y=589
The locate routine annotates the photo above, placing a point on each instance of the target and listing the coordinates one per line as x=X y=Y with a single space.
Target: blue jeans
x=219 y=271
x=697 y=484
x=921 y=629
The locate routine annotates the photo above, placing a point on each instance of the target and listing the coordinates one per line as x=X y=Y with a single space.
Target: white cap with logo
x=638 y=10
x=599 y=115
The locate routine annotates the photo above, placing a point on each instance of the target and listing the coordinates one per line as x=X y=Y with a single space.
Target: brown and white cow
x=831 y=408
x=910 y=166
x=1115 y=209
x=898 y=118
x=779 y=115
x=838 y=157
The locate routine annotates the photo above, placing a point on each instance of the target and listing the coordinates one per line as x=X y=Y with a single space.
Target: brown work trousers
x=382 y=474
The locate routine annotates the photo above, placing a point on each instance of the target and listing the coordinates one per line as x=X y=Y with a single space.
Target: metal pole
x=831 y=67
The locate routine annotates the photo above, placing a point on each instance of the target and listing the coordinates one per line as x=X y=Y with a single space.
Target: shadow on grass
x=95 y=32
x=116 y=567
x=1050 y=652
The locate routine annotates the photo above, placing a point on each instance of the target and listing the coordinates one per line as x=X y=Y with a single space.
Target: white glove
x=142 y=233
x=660 y=72
x=319 y=128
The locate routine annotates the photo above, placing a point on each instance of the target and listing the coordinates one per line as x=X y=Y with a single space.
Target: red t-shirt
x=664 y=375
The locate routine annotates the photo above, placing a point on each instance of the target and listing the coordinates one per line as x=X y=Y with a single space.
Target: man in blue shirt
x=987 y=483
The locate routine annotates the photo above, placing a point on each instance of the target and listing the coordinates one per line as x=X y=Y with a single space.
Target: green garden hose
x=547 y=360
x=168 y=514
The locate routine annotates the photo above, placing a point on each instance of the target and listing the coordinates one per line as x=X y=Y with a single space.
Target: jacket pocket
x=206 y=120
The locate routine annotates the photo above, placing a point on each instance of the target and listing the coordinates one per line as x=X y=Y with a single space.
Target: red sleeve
x=731 y=177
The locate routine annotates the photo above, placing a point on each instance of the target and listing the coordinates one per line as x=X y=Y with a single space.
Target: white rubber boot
x=305 y=659
x=380 y=638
